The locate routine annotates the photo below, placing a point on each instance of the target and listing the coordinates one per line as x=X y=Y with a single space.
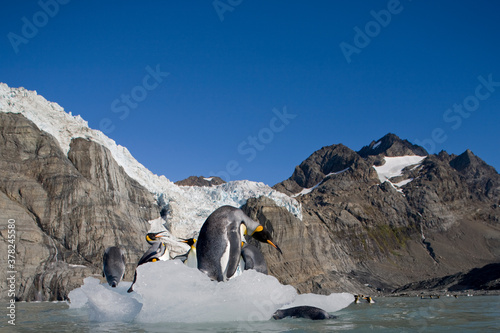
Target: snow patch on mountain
x=394 y=166
x=376 y=145
x=310 y=189
x=187 y=206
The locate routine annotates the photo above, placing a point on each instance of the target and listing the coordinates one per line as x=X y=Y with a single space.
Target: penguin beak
x=189 y=241
x=275 y=246
x=162 y=235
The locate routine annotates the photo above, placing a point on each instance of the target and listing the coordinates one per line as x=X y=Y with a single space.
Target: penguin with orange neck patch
x=157 y=251
x=219 y=242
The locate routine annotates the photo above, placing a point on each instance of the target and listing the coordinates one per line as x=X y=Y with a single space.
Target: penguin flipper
x=104 y=262
x=152 y=252
x=131 y=289
x=182 y=257
x=123 y=259
x=249 y=264
x=234 y=252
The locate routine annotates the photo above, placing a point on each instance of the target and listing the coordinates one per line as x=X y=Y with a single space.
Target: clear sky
x=249 y=89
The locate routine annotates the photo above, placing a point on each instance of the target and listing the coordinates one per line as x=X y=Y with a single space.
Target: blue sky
x=249 y=89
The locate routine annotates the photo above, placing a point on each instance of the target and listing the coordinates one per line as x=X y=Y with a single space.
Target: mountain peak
x=468 y=163
x=323 y=162
x=465 y=160
x=391 y=145
x=200 y=181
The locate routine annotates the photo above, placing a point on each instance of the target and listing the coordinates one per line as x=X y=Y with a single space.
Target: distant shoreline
x=443 y=293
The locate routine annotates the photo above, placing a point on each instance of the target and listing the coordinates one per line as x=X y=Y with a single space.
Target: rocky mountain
x=385 y=217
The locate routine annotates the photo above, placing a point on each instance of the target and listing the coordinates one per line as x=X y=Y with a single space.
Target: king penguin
x=157 y=251
x=113 y=265
x=253 y=258
x=189 y=258
x=219 y=242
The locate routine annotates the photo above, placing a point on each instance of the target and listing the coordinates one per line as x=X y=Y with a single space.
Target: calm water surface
x=388 y=314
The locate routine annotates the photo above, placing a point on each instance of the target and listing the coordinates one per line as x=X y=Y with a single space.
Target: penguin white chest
x=165 y=256
x=224 y=259
x=191 y=259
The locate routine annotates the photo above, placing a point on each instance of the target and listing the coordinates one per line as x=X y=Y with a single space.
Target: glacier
x=187 y=206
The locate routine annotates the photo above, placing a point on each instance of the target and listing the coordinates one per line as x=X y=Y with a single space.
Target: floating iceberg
x=169 y=291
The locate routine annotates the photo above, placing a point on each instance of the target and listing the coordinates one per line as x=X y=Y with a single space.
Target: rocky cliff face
x=67 y=209
x=322 y=163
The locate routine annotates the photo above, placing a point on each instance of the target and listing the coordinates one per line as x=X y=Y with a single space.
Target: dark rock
x=482 y=179
x=200 y=181
x=327 y=160
x=483 y=278
x=391 y=145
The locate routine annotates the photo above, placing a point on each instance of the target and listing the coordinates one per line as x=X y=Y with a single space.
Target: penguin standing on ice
x=219 y=242
x=113 y=265
x=157 y=251
x=189 y=258
x=253 y=258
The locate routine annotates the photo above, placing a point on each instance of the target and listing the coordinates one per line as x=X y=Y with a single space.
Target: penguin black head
x=155 y=236
x=189 y=241
x=262 y=235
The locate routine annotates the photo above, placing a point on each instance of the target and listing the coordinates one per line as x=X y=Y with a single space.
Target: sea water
x=387 y=314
